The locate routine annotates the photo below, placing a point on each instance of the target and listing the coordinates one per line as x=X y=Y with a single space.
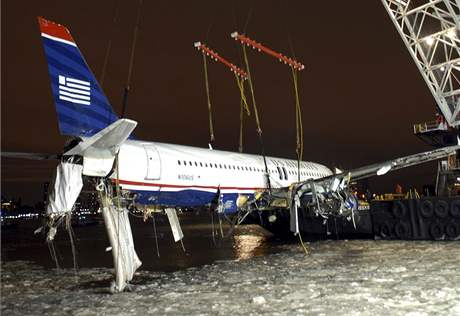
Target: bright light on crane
x=451 y=33
x=401 y=2
x=429 y=40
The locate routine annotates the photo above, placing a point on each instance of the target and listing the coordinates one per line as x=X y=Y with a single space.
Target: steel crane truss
x=429 y=29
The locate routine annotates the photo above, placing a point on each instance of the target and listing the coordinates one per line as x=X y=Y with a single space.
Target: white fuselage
x=183 y=176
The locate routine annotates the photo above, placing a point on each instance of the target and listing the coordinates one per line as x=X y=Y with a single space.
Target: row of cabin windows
x=215 y=165
x=282 y=173
x=294 y=165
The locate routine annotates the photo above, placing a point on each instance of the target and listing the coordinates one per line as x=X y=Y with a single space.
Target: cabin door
x=153 y=163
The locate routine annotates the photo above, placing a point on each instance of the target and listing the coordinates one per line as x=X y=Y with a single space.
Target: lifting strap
x=298 y=122
x=243 y=107
x=256 y=114
x=131 y=60
x=109 y=44
x=251 y=87
x=211 y=128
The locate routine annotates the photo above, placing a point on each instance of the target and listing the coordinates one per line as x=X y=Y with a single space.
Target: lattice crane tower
x=430 y=31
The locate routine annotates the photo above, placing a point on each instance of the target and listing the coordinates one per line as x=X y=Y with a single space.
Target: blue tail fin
x=82 y=107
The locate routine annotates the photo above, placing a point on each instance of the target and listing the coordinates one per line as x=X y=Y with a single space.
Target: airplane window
x=190 y=163
x=210 y=165
x=220 y=166
x=185 y=163
x=225 y=166
x=215 y=165
x=178 y=162
x=196 y=164
x=201 y=164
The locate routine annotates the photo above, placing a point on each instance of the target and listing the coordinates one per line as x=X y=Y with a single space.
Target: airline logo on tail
x=74 y=90
x=81 y=105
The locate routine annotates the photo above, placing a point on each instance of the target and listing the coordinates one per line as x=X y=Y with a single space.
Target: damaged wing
x=382 y=168
x=331 y=195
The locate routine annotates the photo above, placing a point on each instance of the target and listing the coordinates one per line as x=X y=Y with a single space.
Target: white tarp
x=65 y=189
x=120 y=235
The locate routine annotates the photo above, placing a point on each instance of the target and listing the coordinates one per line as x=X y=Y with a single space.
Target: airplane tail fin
x=81 y=105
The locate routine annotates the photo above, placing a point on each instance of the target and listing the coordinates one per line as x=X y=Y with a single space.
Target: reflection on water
x=91 y=242
x=247 y=246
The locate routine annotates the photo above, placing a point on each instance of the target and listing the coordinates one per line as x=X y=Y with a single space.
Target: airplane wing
x=382 y=168
x=331 y=196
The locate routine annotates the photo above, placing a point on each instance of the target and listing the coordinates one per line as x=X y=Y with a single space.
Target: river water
x=245 y=274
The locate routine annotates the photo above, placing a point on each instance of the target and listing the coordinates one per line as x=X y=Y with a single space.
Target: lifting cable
x=108 y=50
x=298 y=121
x=206 y=80
x=244 y=107
x=298 y=109
x=295 y=66
x=240 y=76
x=131 y=60
x=240 y=143
x=256 y=115
x=109 y=43
x=243 y=102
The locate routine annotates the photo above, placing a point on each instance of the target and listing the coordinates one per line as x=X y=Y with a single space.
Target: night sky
x=360 y=91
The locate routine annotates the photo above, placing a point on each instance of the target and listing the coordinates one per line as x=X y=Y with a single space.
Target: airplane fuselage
x=184 y=176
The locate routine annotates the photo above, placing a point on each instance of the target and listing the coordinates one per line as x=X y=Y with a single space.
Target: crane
x=430 y=30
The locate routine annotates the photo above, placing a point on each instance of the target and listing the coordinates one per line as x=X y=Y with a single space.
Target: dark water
x=246 y=274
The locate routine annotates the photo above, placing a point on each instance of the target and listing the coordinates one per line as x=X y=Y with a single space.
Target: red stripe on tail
x=54 y=29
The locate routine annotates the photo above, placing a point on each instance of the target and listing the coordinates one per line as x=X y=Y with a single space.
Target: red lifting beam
x=246 y=40
x=206 y=50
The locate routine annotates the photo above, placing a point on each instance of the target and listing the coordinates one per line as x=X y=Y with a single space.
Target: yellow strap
x=298 y=120
x=240 y=147
x=243 y=107
x=305 y=249
x=244 y=102
x=256 y=113
x=211 y=128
